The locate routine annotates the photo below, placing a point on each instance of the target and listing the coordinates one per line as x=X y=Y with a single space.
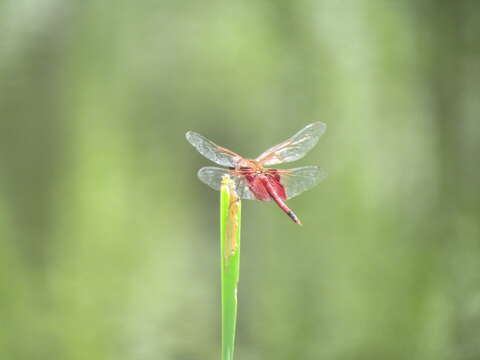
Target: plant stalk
x=230 y=215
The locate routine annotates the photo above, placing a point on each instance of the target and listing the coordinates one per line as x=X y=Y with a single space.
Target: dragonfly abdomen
x=271 y=186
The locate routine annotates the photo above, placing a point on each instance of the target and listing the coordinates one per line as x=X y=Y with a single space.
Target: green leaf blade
x=230 y=215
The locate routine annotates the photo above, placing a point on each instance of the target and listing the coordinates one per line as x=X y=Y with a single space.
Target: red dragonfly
x=252 y=179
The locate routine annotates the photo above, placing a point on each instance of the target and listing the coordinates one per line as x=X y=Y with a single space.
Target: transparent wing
x=212 y=176
x=212 y=151
x=242 y=188
x=295 y=181
x=294 y=148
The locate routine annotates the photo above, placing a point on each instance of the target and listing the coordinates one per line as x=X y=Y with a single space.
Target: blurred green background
x=109 y=242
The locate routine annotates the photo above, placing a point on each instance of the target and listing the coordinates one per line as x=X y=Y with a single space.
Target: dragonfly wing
x=242 y=188
x=212 y=176
x=295 y=147
x=212 y=151
x=295 y=181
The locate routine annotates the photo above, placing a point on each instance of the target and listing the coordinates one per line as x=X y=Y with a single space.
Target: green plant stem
x=230 y=214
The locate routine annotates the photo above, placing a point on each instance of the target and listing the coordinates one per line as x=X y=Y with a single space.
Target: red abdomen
x=257 y=185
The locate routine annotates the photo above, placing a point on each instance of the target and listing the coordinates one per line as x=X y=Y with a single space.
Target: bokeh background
x=109 y=242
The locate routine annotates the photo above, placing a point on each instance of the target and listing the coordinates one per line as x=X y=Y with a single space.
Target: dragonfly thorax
x=252 y=165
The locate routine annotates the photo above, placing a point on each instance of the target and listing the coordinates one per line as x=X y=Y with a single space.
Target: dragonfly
x=253 y=179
